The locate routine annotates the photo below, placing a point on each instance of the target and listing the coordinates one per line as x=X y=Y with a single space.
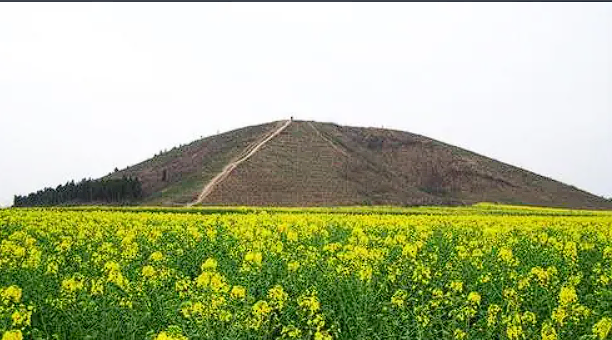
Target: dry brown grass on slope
x=322 y=164
x=191 y=165
x=248 y=153
x=300 y=168
x=448 y=171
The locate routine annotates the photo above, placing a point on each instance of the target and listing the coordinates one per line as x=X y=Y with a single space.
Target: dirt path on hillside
x=327 y=140
x=232 y=165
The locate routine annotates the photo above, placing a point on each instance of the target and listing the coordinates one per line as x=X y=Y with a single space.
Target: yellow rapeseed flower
x=322 y=335
x=209 y=265
x=548 y=331
x=567 y=295
x=21 y=317
x=12 y=335
x=459 y=334
x=169 y=335
x=558 y=315
x=277 y=296
x=514 y=332
x=156 y=256
x=529 y=318
x=261 y=308
x=474 y=298
x=238 y=292
x=254 y=258
x=505 y=254
x=399 y=298
x=203 y=280
x=293 y=266
x=410 y=250
x=72 y=285
x=309 y=303
x=12 y=293
x=291 y=332
x=97 y=287
x=456 y=286
x=218 y=284
x=492 y=312
x=148 y=271
x=602 y=328
x=292 y=236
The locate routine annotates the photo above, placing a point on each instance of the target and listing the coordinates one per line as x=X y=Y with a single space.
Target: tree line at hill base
x=124 y=190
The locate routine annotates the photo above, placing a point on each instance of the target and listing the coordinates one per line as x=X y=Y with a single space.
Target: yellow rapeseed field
x=478 y=273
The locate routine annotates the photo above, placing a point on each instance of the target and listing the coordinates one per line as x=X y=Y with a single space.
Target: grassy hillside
x=324 y=164
x=188 y=167
x=446 y=171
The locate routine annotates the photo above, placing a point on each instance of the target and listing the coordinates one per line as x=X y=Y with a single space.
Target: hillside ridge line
x=327 y=140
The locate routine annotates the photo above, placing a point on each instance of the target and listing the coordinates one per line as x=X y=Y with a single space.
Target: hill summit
x=306 y=163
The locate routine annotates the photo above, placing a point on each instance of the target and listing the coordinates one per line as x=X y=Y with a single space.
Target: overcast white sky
x=88 y=87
